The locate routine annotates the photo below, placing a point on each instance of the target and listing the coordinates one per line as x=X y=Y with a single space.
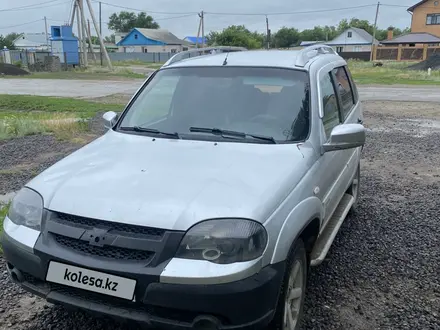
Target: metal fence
x=142 y=57
x=27 y=58
x=400 y=53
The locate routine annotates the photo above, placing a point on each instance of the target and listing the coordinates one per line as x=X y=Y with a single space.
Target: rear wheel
x=289 y=310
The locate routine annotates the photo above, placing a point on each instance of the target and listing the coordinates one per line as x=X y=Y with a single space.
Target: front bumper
x=244 y=304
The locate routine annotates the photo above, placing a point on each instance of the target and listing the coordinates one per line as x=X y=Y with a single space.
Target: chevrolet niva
x=227 y=175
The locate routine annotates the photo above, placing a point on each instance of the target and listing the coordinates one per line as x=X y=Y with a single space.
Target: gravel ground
x=382 y=271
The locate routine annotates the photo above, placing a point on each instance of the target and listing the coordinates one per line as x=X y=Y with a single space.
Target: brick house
x=426 y=17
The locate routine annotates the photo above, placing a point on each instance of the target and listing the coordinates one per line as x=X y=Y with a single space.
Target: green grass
x=137 y=62
x=66 y=118
x=391 y=73
x=52 y=104
x=91 y=73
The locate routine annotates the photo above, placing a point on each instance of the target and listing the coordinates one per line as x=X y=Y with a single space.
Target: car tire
x=292 y=291
x=354 y=189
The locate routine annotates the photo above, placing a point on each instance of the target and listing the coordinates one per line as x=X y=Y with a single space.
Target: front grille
x=113 y=227
x=107 y=251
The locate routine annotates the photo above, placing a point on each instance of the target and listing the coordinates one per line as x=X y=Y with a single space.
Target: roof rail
x=306 y=54
x=202 y=51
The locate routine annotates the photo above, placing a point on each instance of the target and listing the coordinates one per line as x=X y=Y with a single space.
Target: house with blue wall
x=151 y=41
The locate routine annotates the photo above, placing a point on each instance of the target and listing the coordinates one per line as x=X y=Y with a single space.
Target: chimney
x=390 y=33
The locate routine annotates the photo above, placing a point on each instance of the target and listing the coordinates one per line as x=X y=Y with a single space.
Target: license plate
x=91 y=280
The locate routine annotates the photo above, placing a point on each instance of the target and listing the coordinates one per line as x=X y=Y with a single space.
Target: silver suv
x=204 y=204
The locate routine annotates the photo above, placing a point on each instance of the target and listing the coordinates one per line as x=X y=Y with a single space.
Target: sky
x=180 y=17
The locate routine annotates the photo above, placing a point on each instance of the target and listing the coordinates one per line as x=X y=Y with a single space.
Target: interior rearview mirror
x=345 y=136
x=110 y=118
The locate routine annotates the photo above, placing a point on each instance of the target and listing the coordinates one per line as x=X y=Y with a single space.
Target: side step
x=328 y=234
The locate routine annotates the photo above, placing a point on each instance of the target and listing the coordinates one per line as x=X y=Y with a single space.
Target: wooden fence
x=400 y=53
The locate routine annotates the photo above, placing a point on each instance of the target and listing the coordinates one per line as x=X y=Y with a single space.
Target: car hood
x=172 y=184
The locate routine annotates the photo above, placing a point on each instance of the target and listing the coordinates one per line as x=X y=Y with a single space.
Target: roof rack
x=202 y=51
x=306 y=54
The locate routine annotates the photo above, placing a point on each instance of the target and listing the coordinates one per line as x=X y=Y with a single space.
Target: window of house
x=350 y=34
x=135 y=36
x=357 y=48
x=339 y=49
x=329 y=104
x=433 y=19
x=344 y=90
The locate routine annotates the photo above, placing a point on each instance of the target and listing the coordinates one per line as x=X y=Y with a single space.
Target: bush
x=18 y=64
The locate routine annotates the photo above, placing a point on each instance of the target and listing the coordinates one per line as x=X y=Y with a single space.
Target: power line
x=40 y=5
x=403 y=6
x=12 y=26
x=148 y=11
x=27 y=6
x=290 y=13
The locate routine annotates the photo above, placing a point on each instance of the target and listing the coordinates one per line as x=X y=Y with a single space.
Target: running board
x=328 y=234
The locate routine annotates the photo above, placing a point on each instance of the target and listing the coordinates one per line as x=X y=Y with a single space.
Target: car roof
x=253 y=58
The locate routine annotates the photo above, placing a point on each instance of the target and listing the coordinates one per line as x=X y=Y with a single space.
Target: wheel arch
x=303 y=222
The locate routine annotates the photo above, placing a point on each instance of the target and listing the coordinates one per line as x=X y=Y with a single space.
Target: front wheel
x=289 y=310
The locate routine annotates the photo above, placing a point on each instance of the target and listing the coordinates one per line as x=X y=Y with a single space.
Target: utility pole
x=267 y=33
x=203 y=29
x=45 y=27
x=198 y=31
x=100 y=27
x=92 y=14
x=78 y=22
x=83 y=31
x=72 y=19
x=89 y=33
x=374 y=32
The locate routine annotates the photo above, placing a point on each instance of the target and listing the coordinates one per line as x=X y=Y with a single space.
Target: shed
x=151 y=40
x=64 y=44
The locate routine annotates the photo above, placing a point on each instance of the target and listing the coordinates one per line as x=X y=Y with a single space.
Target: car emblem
x=97 y=237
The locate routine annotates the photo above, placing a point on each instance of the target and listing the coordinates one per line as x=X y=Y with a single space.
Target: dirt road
x=98 y=88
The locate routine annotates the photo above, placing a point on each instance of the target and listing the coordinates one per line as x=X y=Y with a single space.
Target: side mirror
x=110 y=118
x=345 y=136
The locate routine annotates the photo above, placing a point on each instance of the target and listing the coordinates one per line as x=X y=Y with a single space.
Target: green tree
x=8 y=40
x=236 y=35
x=110 y=39
x=285 y=37
x=126 y=21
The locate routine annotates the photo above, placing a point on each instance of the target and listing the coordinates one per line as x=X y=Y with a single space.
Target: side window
x=353 y=85
x=344 y=90
x=329 y=104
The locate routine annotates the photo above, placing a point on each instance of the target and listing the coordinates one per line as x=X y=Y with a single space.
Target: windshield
x=262 y=102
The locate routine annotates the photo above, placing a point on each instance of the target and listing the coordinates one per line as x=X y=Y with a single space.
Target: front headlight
x=27 y=209
x=224 y=241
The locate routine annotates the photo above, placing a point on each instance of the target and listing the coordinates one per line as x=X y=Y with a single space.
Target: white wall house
x=32 y=41
x=353 y=40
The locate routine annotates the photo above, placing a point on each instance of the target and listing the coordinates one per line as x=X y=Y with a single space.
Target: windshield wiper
x=150 y=130
x=225 y=133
